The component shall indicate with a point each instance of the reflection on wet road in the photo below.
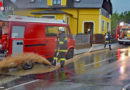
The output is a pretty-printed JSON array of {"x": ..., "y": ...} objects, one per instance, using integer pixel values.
[
  {"x": 94, "y": 60},
  {"x": 100, "y": 70}
]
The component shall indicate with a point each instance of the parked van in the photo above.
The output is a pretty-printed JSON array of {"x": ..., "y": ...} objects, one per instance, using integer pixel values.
[{"x": 19, "y": 34}]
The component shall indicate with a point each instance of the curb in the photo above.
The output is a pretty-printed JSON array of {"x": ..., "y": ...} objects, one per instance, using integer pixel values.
[{"x": 93, "y": 50}]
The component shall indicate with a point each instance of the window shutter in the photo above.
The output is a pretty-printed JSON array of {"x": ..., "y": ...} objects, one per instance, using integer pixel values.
[
  {"x": 63, "y": 2},
  {"x": 49, "y": 2}
]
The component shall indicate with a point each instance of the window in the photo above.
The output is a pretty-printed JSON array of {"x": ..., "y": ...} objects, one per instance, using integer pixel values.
[
  {"x": 51, "y": 31},
  {"x": 77, "y": 0},
  {"x": 107, "y": 26},
  {"x": 32, "y": 1},
  {"x": 67, "y": 20},
  {"x": 18, "y": 31},
  {"x": 67, "y": 32},
  {"x": 50, "y": 17},
  {"x": 56, "y": 2},
  {"x": 103, "y": 25},
  {"x": 105, "y": 13}
]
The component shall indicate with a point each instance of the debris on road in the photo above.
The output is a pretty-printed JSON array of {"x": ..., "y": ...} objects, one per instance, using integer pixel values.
[{"x": 21, "y": 60}]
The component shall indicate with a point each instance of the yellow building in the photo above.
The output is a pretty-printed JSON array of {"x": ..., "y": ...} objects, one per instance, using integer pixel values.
[{"x": 83, "y": 16}]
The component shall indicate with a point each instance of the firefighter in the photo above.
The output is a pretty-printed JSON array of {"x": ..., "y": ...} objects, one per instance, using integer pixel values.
[
  {"x": 107, "y": 40},
  {"x": 61, "y": 47},
  {"x": 5, "y": 29}
]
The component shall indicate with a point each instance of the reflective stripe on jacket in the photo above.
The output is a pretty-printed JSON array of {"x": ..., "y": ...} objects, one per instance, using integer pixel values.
[
  {"x": 62, "y": 42},
  {"x": 107, "y": 37}
]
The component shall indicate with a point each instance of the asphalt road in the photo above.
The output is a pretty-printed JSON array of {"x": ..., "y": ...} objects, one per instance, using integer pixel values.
[{"x": 99, "y": 70}]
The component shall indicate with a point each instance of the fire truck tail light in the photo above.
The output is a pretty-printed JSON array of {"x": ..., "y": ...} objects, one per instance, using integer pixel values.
[{"x": 117, "y": 36}]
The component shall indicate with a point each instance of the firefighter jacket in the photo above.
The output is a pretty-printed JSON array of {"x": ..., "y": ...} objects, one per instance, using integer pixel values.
[
  {"x": 107, "y": 36},
  {"x": 62, "y": 42}
]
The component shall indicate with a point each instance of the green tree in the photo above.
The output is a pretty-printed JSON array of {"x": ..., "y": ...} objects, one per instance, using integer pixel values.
[
  {"x": 127, "y": 17},
  {"x": 114, "y": 20},
  {"x": 117, "y": 18}
]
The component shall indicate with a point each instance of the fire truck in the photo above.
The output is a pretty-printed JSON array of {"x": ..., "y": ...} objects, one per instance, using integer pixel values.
[
  {"x": 20, "y": 34},
  {"x": 123, "y": 33}
]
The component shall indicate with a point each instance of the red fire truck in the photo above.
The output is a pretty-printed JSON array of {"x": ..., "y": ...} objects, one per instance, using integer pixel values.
[
  {"x": 19, "y": 34},
  {"x": 123, "y": 33}
]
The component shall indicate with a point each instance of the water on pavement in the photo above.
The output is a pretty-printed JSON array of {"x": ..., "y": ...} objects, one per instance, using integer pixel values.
[{"x": 92, "y": 71}]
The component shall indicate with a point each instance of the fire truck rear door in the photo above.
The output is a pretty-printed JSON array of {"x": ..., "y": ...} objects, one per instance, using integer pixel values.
[{"x": 17, "y": 38}]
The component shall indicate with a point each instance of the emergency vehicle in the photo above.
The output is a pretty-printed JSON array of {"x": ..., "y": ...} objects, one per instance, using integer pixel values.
[
  {"x": 123, "y": 33},
  {"x": 20, "y": 34}
]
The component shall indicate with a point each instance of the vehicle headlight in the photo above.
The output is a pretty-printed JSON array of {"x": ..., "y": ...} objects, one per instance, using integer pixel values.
[{"x": 128, "y": 31}]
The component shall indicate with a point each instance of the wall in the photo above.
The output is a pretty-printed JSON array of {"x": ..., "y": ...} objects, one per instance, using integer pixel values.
[
  {"x": 89, "y": 15},
  {"x": 85, "y": 15},
  {"x": 106, "y": 20}
]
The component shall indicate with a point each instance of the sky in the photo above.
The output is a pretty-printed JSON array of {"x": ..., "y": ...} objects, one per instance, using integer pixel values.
[{"x": 121, "y": 5}]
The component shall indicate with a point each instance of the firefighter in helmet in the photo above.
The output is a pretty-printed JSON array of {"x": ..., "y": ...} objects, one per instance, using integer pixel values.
[
  {"x": 107, "y": 39},
  {"x": 61, "y": 48}
]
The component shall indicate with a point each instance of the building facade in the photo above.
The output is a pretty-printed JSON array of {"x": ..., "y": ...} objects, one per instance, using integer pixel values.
[
  {"x": 83, "y": 16},
  {"x": 8, "y": 7}
]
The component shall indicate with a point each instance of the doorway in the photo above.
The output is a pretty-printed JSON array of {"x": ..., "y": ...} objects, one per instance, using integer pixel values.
[{"x": 89, "y": 29}]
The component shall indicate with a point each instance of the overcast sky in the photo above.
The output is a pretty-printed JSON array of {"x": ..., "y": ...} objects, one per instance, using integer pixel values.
[{"x": 121, "y": 5}]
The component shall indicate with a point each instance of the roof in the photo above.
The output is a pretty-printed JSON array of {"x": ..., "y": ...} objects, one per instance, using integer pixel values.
[
  {"x": 50, "y": 12},
  {"x": 74, "y": 4},
  {"x": 26, "y": 4},
  {"x": 30, "y": 19},
  {"x": 88, "y": 4}
]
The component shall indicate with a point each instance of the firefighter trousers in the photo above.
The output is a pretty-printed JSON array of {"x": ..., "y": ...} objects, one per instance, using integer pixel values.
[
  {"x": 59, "y": 55},
  {"x": 107, "y": 42}
]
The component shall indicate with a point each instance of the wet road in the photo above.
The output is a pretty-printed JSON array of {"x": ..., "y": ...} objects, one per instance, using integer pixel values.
[{"x": 100, "y": 70}]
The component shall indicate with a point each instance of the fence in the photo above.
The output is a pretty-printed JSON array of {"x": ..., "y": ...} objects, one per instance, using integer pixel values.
[
  {"x": 82, "y": 41},
  {"x": 98, "y": 39}
]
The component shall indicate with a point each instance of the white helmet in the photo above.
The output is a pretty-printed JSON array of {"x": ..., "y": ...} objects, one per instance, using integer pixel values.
[{"x": 61, "y": 29}]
